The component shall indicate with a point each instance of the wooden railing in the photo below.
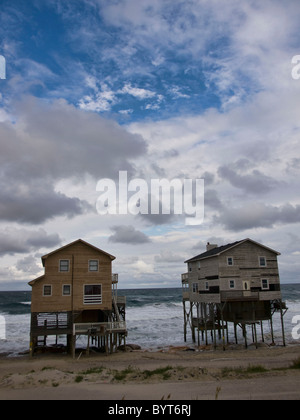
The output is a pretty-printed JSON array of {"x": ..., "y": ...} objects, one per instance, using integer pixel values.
[
  {"x": 115, "y": 278},
  {"x": 121, "y": 300},
  {"x": 185, "y": 277},
  {"x": 98, "y": 327},
  {"x": 51, "y": 323},
  {"x": 185, "y": 295},
  {"x": 239, "y": 295}
]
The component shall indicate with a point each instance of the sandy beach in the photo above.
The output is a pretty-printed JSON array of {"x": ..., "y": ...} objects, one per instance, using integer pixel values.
[{"x": 175, "y": 373}]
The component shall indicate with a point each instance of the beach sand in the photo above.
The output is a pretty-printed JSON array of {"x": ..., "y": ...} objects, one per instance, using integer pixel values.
[{"x": 175, "y": 373}]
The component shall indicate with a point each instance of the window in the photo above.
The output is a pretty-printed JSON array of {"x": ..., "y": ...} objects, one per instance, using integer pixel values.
[
  {"x": 199, "y": 265},
  {"x": 229, "y": 260},
  {"x": 195, "y": 287},
  {"x": 262, "y": 262},
  {"x": 190, "y": 267},
  {"x": 64, "y": 266},
  {"x": 47, "y": 290},
  {"x": 92, "y": 294},
  {"x": 93, "y": 265},
  {"x": 231, "y": 284},
  {"x": 206, "y": 285},
  {"x": 66, "y": 290},
  {"x": 265, "y": 284}
]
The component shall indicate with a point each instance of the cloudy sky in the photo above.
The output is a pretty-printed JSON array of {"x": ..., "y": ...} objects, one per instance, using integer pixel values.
[{"x": 162, "y": 89}]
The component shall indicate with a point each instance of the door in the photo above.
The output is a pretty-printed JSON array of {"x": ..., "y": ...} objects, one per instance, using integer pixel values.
[{"x": 246, "y": 288}]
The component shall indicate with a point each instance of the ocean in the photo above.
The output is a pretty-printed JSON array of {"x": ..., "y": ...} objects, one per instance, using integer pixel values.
[{"x": 154, "y": 318}]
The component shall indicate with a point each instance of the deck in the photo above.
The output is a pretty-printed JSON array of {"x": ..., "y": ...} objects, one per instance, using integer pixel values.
[{"x": 99, "y": 328}]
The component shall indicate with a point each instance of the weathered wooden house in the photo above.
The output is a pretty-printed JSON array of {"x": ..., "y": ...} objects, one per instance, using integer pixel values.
[
  {"x": 77, "y": 295},
  {"x": 236, "y": 283}
]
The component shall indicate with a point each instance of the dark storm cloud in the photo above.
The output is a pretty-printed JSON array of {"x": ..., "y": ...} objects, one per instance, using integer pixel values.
[
  {"x": 256, "y": 215},
  {"x": 128, "y": 235},
  {"x": 36, "y": 203},
  {"x": 21, "y": 241},
  {"x": 62, "y": 141},
  {"x": 50, "y": 142},
  {"x": 255, "y": 182}
]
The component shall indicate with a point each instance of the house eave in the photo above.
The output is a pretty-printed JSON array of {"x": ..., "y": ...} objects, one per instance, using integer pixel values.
[
  {"x": 199, "y": 258},
  {"x": 32, "y": 282},
  {"x": 44, "y": 257}
]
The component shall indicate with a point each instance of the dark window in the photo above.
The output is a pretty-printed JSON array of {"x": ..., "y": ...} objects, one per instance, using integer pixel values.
[
  {"x": 47, "y": 290},
  {"x": 92, "y": 294},
  {"x": 262, "y": 261},
  {"x": 66, "y": 290},
  {"x": 64, "y": 265},
  {"x": 93, "y": 265}
]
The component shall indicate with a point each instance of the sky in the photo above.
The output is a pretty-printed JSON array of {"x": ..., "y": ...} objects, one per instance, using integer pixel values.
[{"x": 160, "y": 89}]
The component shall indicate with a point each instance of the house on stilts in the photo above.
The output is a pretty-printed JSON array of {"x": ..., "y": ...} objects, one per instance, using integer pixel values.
[
  {"x": 76, "y": 296},
  {"x": 235, "y": 284}
]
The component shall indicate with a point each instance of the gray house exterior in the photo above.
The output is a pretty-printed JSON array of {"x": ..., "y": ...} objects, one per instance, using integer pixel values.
[{"x": 236, "y": 283}]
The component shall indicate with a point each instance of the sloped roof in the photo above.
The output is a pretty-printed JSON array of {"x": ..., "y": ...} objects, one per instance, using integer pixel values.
[
  {"x": 220, "y": 249},
  {"x": 44, "y": 257},
  {"x": 31, "y": 283}
]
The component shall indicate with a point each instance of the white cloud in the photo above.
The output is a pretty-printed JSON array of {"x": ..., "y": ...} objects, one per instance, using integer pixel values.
[
  {"x": 157, "y": 61},
  {"x": 176, "y": 92},
  {"x": 102, "y": 99},
  {"x": 138, "y": 92},
  {"x": 126, "y": 111},
  {"x": 167, "y": 257},
  {"x": 141, "y": 267}
]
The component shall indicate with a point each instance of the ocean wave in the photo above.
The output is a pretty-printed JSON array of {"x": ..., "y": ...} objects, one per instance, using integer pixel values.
[
  {"x": 17, "y": 308},
  {"x": 154, "y": 318}
]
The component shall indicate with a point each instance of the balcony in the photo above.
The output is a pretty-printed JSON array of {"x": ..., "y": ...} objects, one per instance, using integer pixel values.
[
  {"x": 114, "y": 278},
  {"x": 99, "y": 328},
  {"x": 121, "y": 300},
  {"x": 244, "y": 295},
  {"x": 185, "y": 278},
  {"x": 239, "y": 295}
]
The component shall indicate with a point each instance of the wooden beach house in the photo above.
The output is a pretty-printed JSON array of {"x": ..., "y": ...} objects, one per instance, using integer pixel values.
[
  {"x": 237, "y": 283},
  {"x": 77, "y": 295}
]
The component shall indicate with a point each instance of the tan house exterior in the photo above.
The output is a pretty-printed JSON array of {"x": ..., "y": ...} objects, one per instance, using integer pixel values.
[{"x": 78, "y": 287}]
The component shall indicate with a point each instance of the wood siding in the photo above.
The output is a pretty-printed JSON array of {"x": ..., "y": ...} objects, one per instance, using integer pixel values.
[
  {"x": 246, "y": 267},
  {"x": 237, "y": 283},
  {"x": 215, "y": 275},
  {"x": 77, "y": 277}
]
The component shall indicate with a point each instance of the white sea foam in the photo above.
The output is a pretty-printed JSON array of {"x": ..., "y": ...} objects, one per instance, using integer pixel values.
[
  {"x": 2, "y": 328},
  {"x": 17, "y": 334},
  {"x": 151, "y": 325}
]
